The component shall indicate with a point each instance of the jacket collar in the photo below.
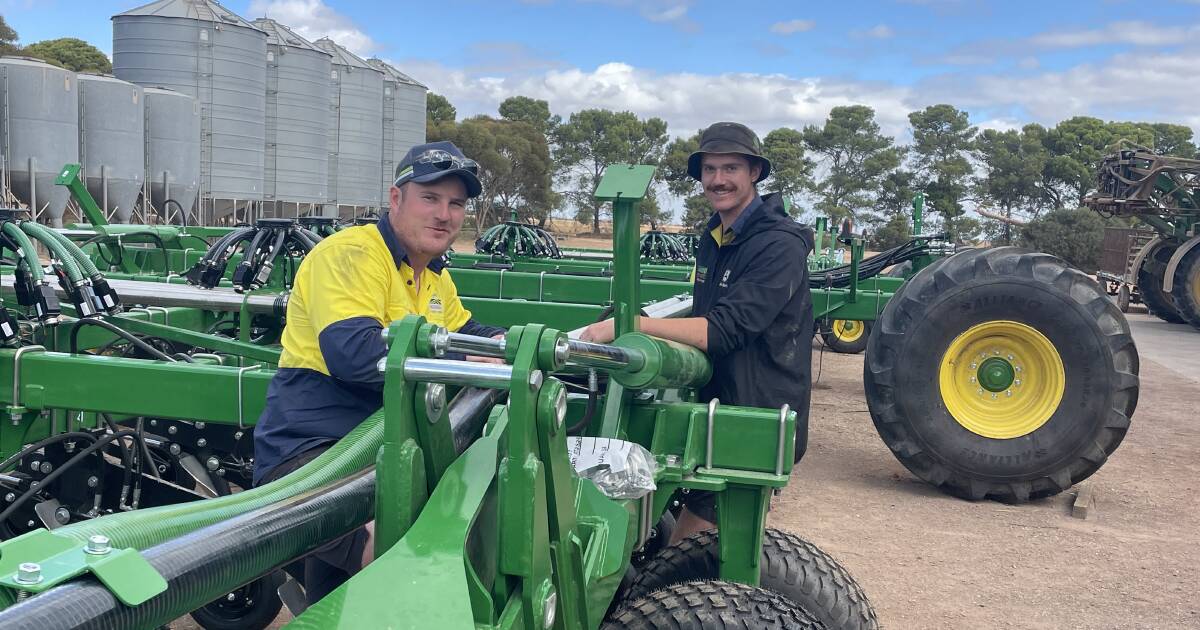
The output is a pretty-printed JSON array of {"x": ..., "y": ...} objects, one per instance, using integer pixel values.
[
  {"x": 744, "y": 219},
  {"x": 399, "y": 254}
]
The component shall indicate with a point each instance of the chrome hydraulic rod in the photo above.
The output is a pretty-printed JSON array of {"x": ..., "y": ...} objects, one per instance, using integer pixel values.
[
  {"x": 604, "y": 357},
  {"x": 465, "y": 373}
]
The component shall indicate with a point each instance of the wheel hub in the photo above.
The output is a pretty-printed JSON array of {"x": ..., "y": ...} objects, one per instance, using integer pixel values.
[{"x": 1001, "y": 379}]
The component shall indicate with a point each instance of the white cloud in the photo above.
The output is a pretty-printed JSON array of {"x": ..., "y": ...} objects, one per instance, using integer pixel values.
[
  {"x": 687, "y": 101},
  {"x": 673, "y": 12},
  {"x": 313, "y": 19},
  {"x": 792, "y": 27},
  {"x": 879, "y": 31},
  {"x": 1129, "y": 32}
]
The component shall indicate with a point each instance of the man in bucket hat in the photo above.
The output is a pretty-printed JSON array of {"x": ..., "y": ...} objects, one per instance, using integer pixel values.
[
  {"x": 347, "y": 289},
  {"x": 752, "y": 312}
]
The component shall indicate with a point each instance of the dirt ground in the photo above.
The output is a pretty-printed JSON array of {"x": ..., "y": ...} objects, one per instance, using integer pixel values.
[{"x": 931, "y": 561}]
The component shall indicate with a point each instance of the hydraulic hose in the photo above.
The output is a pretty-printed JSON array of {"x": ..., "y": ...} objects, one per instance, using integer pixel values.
[
  {"x": 85, "y": 263},
  {"x": 208, "y": 562},
  {"x": 63, "y": 254},
  {"x": 27, "y": 250}
]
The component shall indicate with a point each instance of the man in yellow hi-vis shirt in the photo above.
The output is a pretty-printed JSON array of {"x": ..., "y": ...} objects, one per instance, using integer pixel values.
[{"x": 347, "y": 290}]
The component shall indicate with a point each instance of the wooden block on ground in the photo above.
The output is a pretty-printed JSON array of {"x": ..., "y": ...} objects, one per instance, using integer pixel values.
[{"x": 1084, "y": 501}]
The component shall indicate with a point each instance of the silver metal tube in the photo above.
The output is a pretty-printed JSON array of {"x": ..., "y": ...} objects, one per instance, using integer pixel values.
[
  {"x": 464, "y": 373},
  {"x": 604, "y": 356},
  {"x": 477, "y": 346},
  {"x": 162, "y": 294}
]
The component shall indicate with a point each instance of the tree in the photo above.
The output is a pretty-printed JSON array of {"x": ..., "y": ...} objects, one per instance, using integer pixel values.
[
  {"x": 896, "y": 192},
  {"x": 696, "y": 212},
  {"x": 650, "y": 212},
  {"x": 858, "y": 157},
  {"x": 593, "y": 139},
  {"x": 673, "y": 167},
  {"x": 791, "y": 171},
  {"x": 1013, "y": 163},
  {"x": 535, "y": 112},
  {"x": 1075, "y": 235},
  {"x": 1077, "y": 145},
  {"x": 942, "y": 138},
  {"x": 438, "y": 110},
  {"x": 8, "y": 38},
  {"x": 895, "y": 232},
  {"x": 1172, "y": 139},
  {"x": 73, "y": 54},
  {"x": 514, "y": 168}
]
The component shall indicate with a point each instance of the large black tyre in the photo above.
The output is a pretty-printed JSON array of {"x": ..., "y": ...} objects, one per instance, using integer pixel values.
[
  {"x": 1185, "y": 289},
  {"x": 1150, "y": 280},
  {"x": 711, "y": 605},
  {"x": 1056, "y": 431},
  {"x": 253, "y": 607},
  {"x": 790, "y": 566}
]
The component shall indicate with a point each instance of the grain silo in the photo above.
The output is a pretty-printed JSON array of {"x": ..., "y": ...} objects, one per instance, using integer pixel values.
[
  {"x": 112, "y": 143},
  {"x": 403, "y": 117},
  {"x": 296, "y": 173},
  {"x": 39, "y": 133},
  {"x": 172, "y": 154},
  {"x": 202, "y": 49},
  {"x": 355, "y": 123}
]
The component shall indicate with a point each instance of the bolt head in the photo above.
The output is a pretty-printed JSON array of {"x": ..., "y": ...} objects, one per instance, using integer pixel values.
[
  {"x": 98, "y": 545},
  {"x": 535, "y": 380},
  {"x": 1017, "y": 382},
  {"x": 201, "y": 442},
  {"x": 212, "y": 463},
  {"x": 237, "y": 436},
  {"x": 973, "y": 379},
  {"x": 232, "y": 597},
  {"x": 560, "y": 407},
  {"x": 93, "y": 481},
  {"x": 549, "y": 609},
  {"x": 980, "y": 392},
  {"x": 1010, "y": 357},
  {"x": 29, "y": 573},
  {"x": 200, "y": 425},
  {"x": 62, "y": 515},
  {"x": 172, "y": 430},
  {"x": 1008, "y": 393},
  {"x": 10, "y": 497},
  {"x": 435, "y": 401},
  {"x": 993, "y": 397},
  {"x": 46, "y": 467},
  {"x": 562, "y": 351},
  {"x": 175, "y": 449},
  {"x": 672, "y": 460},
  {"x": 974, "y": 366}
]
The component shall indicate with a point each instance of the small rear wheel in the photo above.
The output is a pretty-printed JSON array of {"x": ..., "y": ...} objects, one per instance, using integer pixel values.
[
  {"x": 251, "y": 607},
  {"x": 1123, "y": 298},
  {"x": 1150, "y": 282},
  {"x": 846, "y": 336},
  {"x": 1186, "y": 287},
  {"x": 711, "y": 605}
]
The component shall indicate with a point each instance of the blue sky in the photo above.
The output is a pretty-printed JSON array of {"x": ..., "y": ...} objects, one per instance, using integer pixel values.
[{"x": 767, "y": 63}]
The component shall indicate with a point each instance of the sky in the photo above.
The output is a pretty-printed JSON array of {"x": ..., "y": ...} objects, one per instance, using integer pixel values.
[{"x": 767, "y": 64}]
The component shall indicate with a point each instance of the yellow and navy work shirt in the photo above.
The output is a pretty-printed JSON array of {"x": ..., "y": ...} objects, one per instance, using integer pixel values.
[{"x": 351, "y": 286}]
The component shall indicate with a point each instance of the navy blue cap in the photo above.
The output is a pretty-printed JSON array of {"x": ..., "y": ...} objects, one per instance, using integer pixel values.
[{"x": 432, "y": 161}]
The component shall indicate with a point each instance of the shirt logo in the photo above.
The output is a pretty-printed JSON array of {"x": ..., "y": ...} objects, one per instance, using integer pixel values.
[
  {"x": 701, "y": 272},
  {"x": 435, "y": 304},
  {"x": 725, "y": 278}
]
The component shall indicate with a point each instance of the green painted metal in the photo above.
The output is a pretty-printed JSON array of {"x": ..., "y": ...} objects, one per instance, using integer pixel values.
[
  {"x": 69, "y": 177},
  {"x": 918, "y": 206},
  {"x": 667, "y": 364},
  {"x": 995, "y": 374},
  {"x": 61, "y": 558},
  {"x": 624, "y": 185}
]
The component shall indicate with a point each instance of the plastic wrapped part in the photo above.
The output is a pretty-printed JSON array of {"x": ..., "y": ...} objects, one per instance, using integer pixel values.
[{"x": 620, "y": 469}]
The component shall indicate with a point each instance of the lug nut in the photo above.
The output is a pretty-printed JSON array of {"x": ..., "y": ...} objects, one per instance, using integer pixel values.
[
  {"x": 10, "y": 497},
  {"x": 172, "y": 430},
  {"x": 93, "y": 481},
  {"x": 212, "y": 464},
  {"x": 98, "y": 545},
  {"x": 200, "y": 425},
  {"x": 175, "y": 449},
  {"x": 201, "y": 443},
  {"x": 46, "y": 467},
  {"x": 62, "y": 515}
]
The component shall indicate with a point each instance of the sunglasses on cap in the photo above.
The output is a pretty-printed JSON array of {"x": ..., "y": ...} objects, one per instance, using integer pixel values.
[{"x": 436, "y": 160}]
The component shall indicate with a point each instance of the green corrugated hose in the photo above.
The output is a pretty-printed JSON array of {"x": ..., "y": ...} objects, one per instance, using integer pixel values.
[
  {"x": 28, "y": 251},
  {"x": 63, "y": 254},
  {"x": 85, "y": 263}
]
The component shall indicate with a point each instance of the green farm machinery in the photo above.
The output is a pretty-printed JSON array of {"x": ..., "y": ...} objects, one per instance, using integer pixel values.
[
  {"x": 1163, "y": 193},
  {"x": 125, "y": 460},
  {"x": 127, "y": 453}
]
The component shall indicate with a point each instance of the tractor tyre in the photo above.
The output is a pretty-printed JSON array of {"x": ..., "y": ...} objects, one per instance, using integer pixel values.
[
  {"x": 789, "y": 566},
  {"x": 1186, "y": 288},
  {"x": 846, "y": 336},
  {"x": 711, "y": 605},
  {"x": 251, "y": 607},
  {"x": 1150, "y": 283},
  {"x": 1001, "y": 373},
  {"x": 1123, "y": 298}
]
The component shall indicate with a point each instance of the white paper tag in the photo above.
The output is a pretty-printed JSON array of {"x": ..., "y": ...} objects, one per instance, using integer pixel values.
[{"x": 587, "y": 453}]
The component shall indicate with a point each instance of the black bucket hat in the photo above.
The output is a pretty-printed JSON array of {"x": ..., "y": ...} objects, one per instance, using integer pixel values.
[
  {"x": 729, "y": 137},
  {"x": 429, "y": 162}
]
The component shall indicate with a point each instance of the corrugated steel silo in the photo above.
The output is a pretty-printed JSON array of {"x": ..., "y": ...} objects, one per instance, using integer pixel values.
[
  {"x": 356, "y": 119},
  {"x": 403, "y": 117},
  {"x": 112, "y": 143},
  {"x": 39, "y": 133},
  {"x": 297, "y": 135},
  {"x": 172, "y": 150},
  {"x": 206, "y": 51}
]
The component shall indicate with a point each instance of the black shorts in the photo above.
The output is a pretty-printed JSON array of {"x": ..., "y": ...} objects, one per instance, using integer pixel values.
[{"x": 329, "y": 566}]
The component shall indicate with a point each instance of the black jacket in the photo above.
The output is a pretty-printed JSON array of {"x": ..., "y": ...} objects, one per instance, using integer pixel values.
[{"x": 754, "y": 293}]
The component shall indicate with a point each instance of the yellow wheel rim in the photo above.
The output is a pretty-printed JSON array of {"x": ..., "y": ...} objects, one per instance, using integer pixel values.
[
  {"x": 848, "y": 330},
  {"x": 1001, "y": 379}
]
